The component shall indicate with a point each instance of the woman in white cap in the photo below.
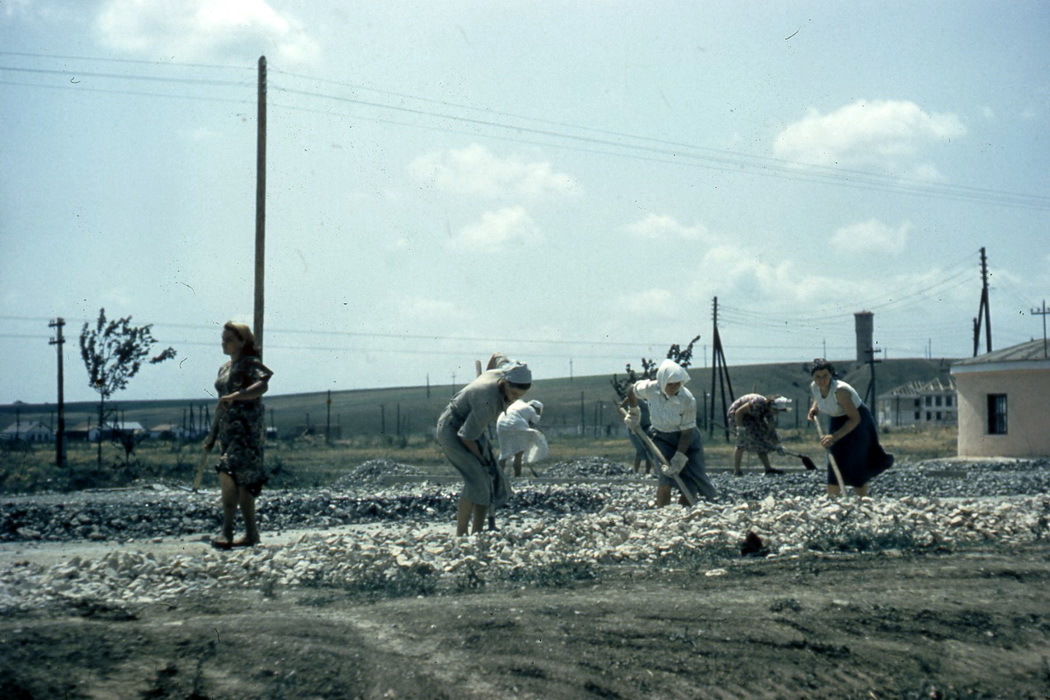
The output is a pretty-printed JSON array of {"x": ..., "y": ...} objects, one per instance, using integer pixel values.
[
  {"x": 754, "y": 418},
  {"x": 672, "y": 410},
  {"x": 462, "y": 434},
  {"x": 518, "y": 436}
]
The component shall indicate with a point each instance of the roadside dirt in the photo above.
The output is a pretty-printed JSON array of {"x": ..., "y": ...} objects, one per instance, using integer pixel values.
[{"x": 972, "y": 624}]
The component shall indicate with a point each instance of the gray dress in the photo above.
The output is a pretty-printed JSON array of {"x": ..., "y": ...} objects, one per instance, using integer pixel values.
[{"x": 467, "y": 417}]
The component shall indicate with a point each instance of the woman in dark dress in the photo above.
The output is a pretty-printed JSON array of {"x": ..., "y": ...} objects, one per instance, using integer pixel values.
[
  {"x": 851, "y": 437},
  {"x": 239, "y": 430}
]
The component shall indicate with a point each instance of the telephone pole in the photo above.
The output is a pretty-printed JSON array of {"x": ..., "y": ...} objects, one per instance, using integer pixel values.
[
  {"x": 260, "y": 208},
  {"x": 984, "y": 308},
  {"x": 1042, "y": 312},
  {"x": 60, "y": 435}
]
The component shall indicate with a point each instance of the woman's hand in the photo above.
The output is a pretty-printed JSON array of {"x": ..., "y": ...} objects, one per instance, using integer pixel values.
[
  {"x": 827, "y": 441},
  {"x": 231, "y": 397}
]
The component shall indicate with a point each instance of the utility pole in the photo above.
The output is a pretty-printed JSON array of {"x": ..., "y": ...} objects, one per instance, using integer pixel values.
[
  {"x": 871, "y": 392},
  {"x": 983, "y": 309},
  {"x": 1035, "y": 312},
  {"x": 260, "y": 207},
  {"x": 719, "y": 371},
  {"x": 328, "y": 420},
  {"x": 60, "y": 436}
]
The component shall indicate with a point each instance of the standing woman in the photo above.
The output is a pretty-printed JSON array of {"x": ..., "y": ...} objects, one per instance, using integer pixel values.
[
  {"x": 672, "y": 409},
  {"x": 462, "y": 434},
  {"x": 851, "y": 437},
  {"x": 239, "y": 430}
]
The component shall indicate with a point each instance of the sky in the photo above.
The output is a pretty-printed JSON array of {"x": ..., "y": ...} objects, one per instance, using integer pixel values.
[{"x": 572, "y": 184}]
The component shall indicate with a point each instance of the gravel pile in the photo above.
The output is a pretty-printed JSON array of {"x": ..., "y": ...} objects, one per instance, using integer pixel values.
[
  {"x": 413, "y": 559},
  {"x": 402, "y": 543},
  {"x": 371, "y": 473},
  {"x": 587, "y": 467}
]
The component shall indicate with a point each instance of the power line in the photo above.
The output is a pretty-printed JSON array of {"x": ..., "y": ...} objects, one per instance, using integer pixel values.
[{"x": 720, "y": 161}]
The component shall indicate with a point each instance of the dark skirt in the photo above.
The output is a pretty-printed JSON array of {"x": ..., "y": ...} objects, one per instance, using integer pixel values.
[
  {"x": 859, "y": 455},
  {"x": 693, "y": 474}
]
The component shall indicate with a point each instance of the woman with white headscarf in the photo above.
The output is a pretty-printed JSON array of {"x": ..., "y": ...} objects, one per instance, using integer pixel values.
[
  {"x": 672, "y": 410},
  {"x": 462, "y": 434},
  {"x": 518, "y": 437}
]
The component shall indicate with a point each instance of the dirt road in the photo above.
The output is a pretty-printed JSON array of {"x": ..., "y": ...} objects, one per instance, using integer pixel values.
[{"x": 886, "y": 625}]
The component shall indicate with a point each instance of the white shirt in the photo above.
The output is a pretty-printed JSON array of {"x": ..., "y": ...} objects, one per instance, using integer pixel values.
[
  {"x": 667, "y": 413},
  {"x": 830, "y": 404}
]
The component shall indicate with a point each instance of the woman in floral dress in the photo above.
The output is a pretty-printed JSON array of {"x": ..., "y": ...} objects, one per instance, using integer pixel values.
[{"x": 239, "y": 431}]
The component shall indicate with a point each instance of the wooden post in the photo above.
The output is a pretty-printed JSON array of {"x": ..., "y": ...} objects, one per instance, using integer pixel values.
[
  {"x": 60, "y": 435},
  {"x": 260, "y": 207}
]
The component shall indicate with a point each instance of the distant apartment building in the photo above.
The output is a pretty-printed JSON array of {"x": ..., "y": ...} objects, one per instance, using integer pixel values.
[{"x": 919, "y": 404}]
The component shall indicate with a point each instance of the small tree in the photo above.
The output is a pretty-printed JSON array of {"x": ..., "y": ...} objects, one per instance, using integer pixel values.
[
  {"x": 113, "y": 352},
  {"x": 683, "y": 356}
]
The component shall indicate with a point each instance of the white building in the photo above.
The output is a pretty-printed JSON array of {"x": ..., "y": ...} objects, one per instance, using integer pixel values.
[
  {"x": 1004, "y": 400},
  {"x": 31, "y": 431},
  {"x": 920, "y": 403}
]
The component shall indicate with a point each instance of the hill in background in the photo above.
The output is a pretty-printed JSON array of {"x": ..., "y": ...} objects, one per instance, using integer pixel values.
[{"x": 568, "y": 403}]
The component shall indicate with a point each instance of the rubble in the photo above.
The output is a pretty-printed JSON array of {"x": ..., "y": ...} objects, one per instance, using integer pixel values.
[{"x": 398, "y": 541}]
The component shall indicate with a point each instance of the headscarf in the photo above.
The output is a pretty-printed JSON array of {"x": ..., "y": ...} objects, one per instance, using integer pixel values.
[
  {"x": 670, "y": 371},
  {"x": 518, "y": 373}
]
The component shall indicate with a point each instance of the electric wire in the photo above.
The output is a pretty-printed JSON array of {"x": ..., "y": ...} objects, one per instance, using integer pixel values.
[{"x": 718, "y": 160}]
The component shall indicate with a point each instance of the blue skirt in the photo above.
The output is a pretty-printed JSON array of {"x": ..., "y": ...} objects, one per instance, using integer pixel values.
[
  {"x": 859, "y": 455},
  {"x": 693, "y": 474}
]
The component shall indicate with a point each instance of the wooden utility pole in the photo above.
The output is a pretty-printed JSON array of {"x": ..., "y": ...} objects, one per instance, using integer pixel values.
[
  {"x": 328, "y": 420},
  {"x": 1035, "y": 312},
  {"x": 719, "y": 372},
  {"x": 260, "y": 208},
  {"x": 60, "y": 436},
  {"x": 983, "y": 309}
]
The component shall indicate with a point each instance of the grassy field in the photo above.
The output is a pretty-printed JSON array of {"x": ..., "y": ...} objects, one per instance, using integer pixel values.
[
  {"x": 310, "y": 462},
  {"x": 571, "y": 404}
]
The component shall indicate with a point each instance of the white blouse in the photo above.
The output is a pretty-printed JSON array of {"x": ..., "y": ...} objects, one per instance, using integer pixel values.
[{"x": 830, "y": 404}]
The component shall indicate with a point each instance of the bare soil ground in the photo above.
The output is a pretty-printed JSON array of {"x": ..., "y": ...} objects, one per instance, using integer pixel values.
[{"x": 969, "y": 624}]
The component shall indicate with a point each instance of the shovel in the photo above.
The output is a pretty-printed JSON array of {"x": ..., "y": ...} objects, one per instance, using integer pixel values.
[
  {"x": 831, "y": 458},
  {"x": 806, "y": 461},
  {"x": 665, "y": 467},
  {"x": 207, "y": 450}
]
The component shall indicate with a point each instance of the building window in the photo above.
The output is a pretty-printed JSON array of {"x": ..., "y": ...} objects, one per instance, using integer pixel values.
[
  {"x": 997, "y": 414},
  {"x": 938, "y": 400},
  {"x": 918, "y": 415},
  {"x": 948, "y": 401},
  {"x": 929, "y": 400}
]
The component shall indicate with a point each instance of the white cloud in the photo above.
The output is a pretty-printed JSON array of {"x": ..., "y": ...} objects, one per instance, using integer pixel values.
[
  {"x": 987, "y": 112},
  {"x": 497, "y": 230},
  {"x": 475, "y": 170},
  {"x": 419, "y": 309},
  {"x": 660, "y": 227},
  {"x": 204, "y": 29},
  {"x": 880, "y": 132},
  {"x": 650, "y": 303},
  {"x": 872, "y": 236}
]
